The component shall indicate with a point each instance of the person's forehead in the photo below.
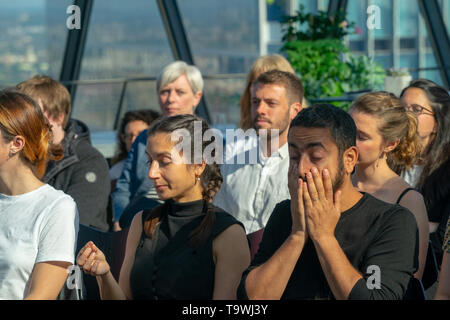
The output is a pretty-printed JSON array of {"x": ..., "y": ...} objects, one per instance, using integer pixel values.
[
  {"x": 270, "y": 88},
  {"x": 415, "y": 96},
  {"x": 301, "y": 137},
  {"x": 159, "y": 142},
  {"x": 180, "y": 82},
  {"x": 135, "y": 124}
]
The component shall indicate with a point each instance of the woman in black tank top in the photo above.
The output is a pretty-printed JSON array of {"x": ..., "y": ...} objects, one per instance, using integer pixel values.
[
  {"x": 185, "y": 248},
  {"x": 387, "y": 136}
]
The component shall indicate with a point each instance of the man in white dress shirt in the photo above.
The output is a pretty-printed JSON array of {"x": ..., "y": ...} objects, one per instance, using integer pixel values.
[{"x": 255, "y": 170}]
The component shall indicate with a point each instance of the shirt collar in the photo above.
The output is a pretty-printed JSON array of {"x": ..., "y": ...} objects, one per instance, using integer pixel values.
[{"x": 282, "y": 152}]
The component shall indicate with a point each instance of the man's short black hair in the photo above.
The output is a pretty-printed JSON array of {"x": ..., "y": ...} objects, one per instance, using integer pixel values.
[{"x": 324, "y": 115}]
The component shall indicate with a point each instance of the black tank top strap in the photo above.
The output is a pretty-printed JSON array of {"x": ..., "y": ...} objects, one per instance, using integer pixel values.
[
  {"x": 403, "y": 193},
  {"x": 223, "y": 221}
]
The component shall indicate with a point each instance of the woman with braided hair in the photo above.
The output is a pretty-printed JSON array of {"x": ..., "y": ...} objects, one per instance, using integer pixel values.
[
  {"x": 185, "y": 248},
  {"x": 386, "y": 137},
  {"x": 38, "y": 224}
]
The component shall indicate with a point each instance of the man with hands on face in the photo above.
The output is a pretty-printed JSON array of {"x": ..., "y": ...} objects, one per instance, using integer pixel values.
[{"x": 326, "y": 240}]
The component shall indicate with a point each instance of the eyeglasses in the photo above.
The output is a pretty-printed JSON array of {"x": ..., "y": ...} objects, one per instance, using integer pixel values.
[{"x": 418, "y": 110}]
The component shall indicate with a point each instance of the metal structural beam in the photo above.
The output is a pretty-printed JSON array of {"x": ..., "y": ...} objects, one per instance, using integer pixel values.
[
  {"x": 439, "y": 38},
  {"x": 179, "y": 43},
  {"x": 336, "y": 5},
  {"x": 75, "y": 43}
]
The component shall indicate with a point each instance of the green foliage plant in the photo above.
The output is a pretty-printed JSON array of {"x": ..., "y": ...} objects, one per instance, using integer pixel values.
[{"x": 314, "y": 46}]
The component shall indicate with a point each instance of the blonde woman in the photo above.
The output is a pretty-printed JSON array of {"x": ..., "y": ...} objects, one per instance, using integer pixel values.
[{"x": 387, "y": 133}]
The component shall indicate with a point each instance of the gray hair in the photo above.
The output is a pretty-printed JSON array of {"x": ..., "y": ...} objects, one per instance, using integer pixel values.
[{"x": 174, "y": 70}]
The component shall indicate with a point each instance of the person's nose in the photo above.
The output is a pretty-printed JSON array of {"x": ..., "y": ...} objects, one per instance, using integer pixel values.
[
  {"x": 261, "y": 108},
  {"x": 153, "y": 170},
  {"x": 304, "y": 166},
  {"x": 133, "y": 137},
  {"x": 172, "y": 96}
]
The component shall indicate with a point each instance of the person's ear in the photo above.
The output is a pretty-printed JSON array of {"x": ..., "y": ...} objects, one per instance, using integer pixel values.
[
  {"x": 295, "y": 109},
  {"x": 16, "y": 145},
  {"x": 197, "y": 97},
  {"x": 60, "y": 119},
  {"x": 199, "y": 168},
  {"x": 389, "y": 146},
  {"x": 350, "y": 158}
]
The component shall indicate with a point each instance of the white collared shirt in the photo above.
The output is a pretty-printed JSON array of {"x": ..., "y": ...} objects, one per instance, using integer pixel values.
[{"x": 250, "y": 192}]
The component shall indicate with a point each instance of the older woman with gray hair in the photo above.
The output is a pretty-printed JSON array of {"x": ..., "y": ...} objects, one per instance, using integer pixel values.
[{"x": 179, "y": 88}]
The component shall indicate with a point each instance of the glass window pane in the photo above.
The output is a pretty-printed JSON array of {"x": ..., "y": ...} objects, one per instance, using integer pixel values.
[
  {"x": 125, "y": 40},
  {"x": 275, "y": 11},
  {"x": 141, "y": 95},
  {"x": 409, "y": 60},
  {"x": 96, "y": 105},
  {"x": 323, "y": 4},
  {"x": 407, "y": 18},
  {"x": 433, "y": 75},
  {"x": 231, "y": 42},
  {"x": 386, "y": 18},
  {"x": 32, "y": 40},
  {"x": 356, "y": 12},
  {"x": 445, "y": 10},
  {"x": 310, "y": 5},
  {"x": 428, "y": 59},
  {"x": 384, "y": 59},
  {"x": 223, "y": 100}
]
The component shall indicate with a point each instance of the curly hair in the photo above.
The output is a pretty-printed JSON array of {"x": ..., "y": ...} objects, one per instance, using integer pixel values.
[{"x": 396, "y": 124}]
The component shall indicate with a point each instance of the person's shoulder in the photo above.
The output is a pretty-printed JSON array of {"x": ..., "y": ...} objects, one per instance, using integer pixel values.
[
  {"x": 142, "y": 136},
  {"x": 387, "y": 212},
  {"x": 84, "y": 149},
  {"x": 57, "y": 195},
  {"x": 116, "y": 170},
  {"x": 222, "y": 214},
  {"x": 412, "y": 199},
  {"x": 282, "y": 210},
  {"x": 283, "y": 205},
  {"x": 56, "y": 200},
  {"x": 223, "y": 219}
]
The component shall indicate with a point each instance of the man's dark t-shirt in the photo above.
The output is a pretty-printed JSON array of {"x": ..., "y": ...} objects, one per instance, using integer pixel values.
[{"x": 371, "y": 233}]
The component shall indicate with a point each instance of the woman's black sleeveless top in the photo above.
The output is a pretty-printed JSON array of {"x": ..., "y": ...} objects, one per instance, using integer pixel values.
[{"x": 166, "y": 266}]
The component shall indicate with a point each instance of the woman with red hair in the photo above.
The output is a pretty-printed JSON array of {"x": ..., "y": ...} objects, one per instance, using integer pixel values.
[{"x": 38, "y": 224}]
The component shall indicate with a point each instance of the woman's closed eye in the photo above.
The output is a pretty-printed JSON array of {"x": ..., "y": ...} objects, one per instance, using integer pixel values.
[{"x": 362, "y": 137}]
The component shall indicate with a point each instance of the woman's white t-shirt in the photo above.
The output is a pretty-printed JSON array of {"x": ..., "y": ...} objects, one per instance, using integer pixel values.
[{"x": 38, "y": 226}]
